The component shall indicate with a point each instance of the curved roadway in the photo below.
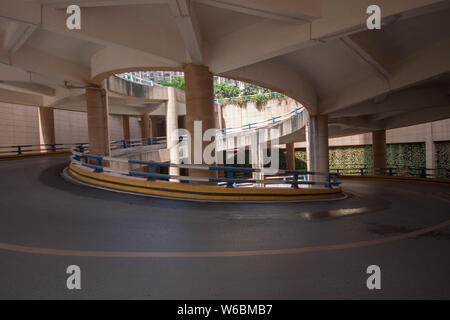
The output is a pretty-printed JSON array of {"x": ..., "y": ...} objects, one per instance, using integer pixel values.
[{"x": 135, "y": 247}]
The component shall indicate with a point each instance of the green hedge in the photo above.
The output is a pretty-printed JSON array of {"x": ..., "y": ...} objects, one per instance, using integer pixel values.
[
  {"x": 443, "y": 154},
  {"x": 398, "y": 155}
]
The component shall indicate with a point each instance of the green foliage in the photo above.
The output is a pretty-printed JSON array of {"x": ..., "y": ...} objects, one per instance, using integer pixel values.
[
  {"x": 229, "y": 94},
  {"x": 397, "y": 155},
  {"x": 176, "y": 83},
  {"x": 223, "y": 90},
  {"x": 406, "y": 155},
  {"x": 443, "y": 154},
  {"x": 350, "y": 157}
]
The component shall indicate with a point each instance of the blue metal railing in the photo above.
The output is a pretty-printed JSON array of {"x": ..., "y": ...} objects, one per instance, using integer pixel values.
[
  {"x": 54, "y": 147},
  {"x": 292, "y": 177}
]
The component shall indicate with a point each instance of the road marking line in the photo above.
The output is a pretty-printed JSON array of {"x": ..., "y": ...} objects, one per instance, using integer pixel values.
[{"x": 211, "y": 254}]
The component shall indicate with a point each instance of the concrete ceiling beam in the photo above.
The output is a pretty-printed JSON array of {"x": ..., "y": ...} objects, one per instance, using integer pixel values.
[{"x": 187, "y": 23}]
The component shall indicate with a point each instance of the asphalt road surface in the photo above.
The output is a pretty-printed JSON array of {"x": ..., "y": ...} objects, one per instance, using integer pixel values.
[{"x": 131, "y": 247}]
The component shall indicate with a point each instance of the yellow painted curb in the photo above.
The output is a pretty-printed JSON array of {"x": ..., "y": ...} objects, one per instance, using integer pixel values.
[
  {"x": 194, "y": 192},
  {"x": 33, "y": 155}
]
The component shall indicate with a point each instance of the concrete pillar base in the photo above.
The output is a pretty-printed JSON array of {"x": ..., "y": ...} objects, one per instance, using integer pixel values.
[
  {"x": 317, "y": 146},
  {"x": 199, "y": 107},
  {"x": 98, "y": 128},
  {"x": 126, "y": 127},
  {"x": 145, "y": 126},
  {"x": 46, "y": 128},
  {"x": 290, "y": 156}
]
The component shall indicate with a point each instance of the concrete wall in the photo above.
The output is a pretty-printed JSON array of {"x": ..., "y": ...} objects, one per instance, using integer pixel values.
[
  {"x": 440, "y": 131},
  {"x": 70, "y": 126},
  {"x": 239, "y": 115},
  {"x": 18, "y": 124},
  {"x": 135, "y": 128},
  {"x": 115, "y": 127}
]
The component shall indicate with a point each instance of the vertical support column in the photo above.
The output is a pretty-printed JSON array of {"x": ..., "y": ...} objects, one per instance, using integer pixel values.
[
  {"x": 430, "y": 150},
  {"x": 199, "y": 107},
  {"x": 98, "y": 127},
  {"x": 379, "y": 151},
  {"x": 317, "y": 146},
  {"x": 171, "y": 130},
  {"x": 290, "y": 156},
  {"x": 154, "y": 127},
  {"x": 126, "y": 127},
  {"x": 46, "y": 128},
  {"x": 145, "y": 126}
]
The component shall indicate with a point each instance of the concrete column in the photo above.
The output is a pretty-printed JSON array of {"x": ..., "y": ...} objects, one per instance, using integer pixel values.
[
  {"x": 126, "y": 127},
  {"x": 199, "y": 107},
  {"x": 379, "y": 150},
  {"x": 98, "y": 128},
  {"x": 171, "y": 130},
  {"x": 257, "y": 157},
  {"x": 154, "y": 126},
  {"x": 46, "y": 127},
  {"x": 145, "y": 126},
  {"x": 317, "y": 145},
  {"x": 290, "y": 156},
  {"x": 430, "y": 149}
]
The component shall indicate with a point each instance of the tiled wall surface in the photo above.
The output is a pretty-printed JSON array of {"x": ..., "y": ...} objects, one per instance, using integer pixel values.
[
  {"x": 135, "y": 128},
  {"x": 70, "y": 126},
  {"x": 18, "y": 124},
  {"x": 115, "y": 128}
]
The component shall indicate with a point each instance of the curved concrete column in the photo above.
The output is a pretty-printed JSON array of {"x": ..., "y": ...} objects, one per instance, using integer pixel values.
[
  {"x": 379, "y": 150},
  {"x": 145, "y": 126},
  {"x": 154, "y": 127},
  {"x": 98, "y": 128},
  {"x": 199, "y": 107},
  {"x": 126, "y": 127},
  {"x": 171, "y": 130},
  {"x": 290, "y": 156},
  {"x": 46, "y": 126},
  {"x": 317, "y": 145}
]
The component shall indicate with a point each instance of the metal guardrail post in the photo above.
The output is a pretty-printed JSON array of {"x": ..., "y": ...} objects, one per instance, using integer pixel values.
[
  {"x": 294, "y": 184},
  {"x": 362, "y": 171},
  {"x": 98, "y": 162},
  {"x": 151, "y": 169},
  {"x": 19, "y": 150},
  {"x": 390, "y": 171},
  {"x": 230, "y": 175},
  {"x": 423, "y": 173},
  {"x": 124, "y": 144}
]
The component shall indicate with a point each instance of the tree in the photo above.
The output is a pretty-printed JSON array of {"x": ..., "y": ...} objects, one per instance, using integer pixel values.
[
  {"x": 176, "y": 83},
  {"x": 223, "y": 90}
]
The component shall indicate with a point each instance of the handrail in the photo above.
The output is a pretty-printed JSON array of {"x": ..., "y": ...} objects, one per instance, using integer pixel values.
[
  {"x": 259, "y": 124},
  {"x": 293, "y": 178},
  {"x": 54, "y": 147}
]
